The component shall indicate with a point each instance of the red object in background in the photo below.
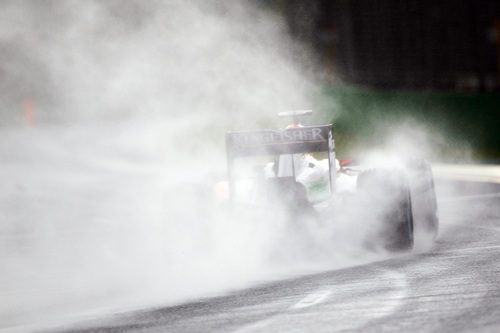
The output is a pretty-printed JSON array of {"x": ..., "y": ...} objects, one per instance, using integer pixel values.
[
  {"x": 29, "y": 112},
  {"x": 345, "y": 162}
]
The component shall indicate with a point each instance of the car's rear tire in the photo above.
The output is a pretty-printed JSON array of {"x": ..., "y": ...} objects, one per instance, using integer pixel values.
[
  {"x": 388, "y": 200},
  {"x": 423, "y": 194}
]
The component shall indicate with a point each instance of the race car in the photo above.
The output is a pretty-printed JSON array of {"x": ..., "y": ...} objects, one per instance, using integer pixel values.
[{"x": 296, "y": 170}]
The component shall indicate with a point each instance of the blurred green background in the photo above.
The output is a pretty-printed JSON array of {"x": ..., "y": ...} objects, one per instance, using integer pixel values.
[{"x": 460, "y": 126}]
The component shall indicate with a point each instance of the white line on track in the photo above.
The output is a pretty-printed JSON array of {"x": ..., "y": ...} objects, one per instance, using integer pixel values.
[
  {"x": 468, "y": 249},
  {"x": 312, "y": 299},
  {"x": 347, "y": 314},
  {"x": 468, "y": 178},
  {"x": 470, "y": 197},
  {"x": 475, "y": 173}
]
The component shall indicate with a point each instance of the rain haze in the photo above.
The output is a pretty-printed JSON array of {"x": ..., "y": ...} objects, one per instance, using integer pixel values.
[{"x": 113, "y": 117}]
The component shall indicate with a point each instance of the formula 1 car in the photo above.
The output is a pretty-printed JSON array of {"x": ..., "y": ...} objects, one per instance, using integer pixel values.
[{"x": 277, "y": 168}]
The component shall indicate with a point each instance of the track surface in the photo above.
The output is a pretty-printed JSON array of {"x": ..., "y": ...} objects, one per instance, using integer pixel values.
[{"x": 453, "y": 287}]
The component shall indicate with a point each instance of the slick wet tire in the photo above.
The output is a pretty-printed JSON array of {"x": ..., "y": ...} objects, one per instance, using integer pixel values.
[
  {"x": 425, "y": 210},
  {"x": 387, "y": 195}
]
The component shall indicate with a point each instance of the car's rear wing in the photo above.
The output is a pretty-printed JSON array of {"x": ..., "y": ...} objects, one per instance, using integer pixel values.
[{"x": 300, "y": 140}]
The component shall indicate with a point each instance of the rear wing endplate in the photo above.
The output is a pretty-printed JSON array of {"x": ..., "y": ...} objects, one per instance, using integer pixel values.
[{"x": 300, "y": 140}]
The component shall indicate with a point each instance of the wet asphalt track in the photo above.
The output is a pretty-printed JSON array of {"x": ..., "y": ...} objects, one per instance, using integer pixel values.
[{"x": 453, "y": 287}]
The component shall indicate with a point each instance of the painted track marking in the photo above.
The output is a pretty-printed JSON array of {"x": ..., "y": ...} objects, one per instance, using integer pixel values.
[
  {"x": 312, "y": 299},
  {"x": 392, "y": 287},
  {"x": 468, "y": 249},
  {"x": 470, "y": 197}
]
